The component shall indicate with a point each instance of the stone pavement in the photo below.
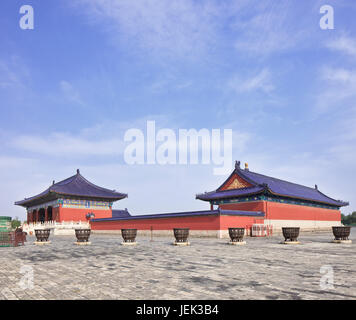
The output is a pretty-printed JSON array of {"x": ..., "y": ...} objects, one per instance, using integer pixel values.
[{"x": 208, "y": 269}]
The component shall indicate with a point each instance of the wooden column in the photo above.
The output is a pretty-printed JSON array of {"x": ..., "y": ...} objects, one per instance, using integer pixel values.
[{"x": 46, "y": 215}]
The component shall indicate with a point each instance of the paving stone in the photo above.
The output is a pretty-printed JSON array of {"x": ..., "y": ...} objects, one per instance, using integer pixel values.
[{"x": 208, "y": 269}]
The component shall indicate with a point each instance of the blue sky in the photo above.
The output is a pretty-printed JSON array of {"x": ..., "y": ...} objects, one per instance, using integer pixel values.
[{"x": 91, "y": 69}]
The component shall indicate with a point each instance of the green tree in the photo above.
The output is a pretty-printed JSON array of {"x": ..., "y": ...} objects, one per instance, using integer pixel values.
[
  {"x": 349, "y": 219},
  {"x": 15, "y": 223}
]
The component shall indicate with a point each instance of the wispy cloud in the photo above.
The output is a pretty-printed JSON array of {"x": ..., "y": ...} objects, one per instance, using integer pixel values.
[
  {"x": 177, "y": 27},
  {"x": 273, "y": 27},
  {"x": 338, "y": 89},
  {"x": 344, "y": 44},
  {"x": 13, "y": 73},
  {"x": 71, "y": 93},
  {"x": 261, "y": 81}
]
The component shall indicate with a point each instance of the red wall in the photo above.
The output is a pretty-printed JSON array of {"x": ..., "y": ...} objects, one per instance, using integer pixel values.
[
  {"x": 69, "y": 214},
  {"x": 286, "y": 211},
  {"x": 194, "y": 223},
  {"x": 238, "y": 222},
  {"x": 245, "y": 206},
  {"x": 283, "y": 211}
]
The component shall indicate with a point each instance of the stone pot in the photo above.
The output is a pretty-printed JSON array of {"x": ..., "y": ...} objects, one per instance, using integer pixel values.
[
  {"x": 236, "y": 234},
  {"x": 290, "y": 233},
  {"x": 82, "y": 235},
  {"x": 181, "y": 234},
  {"x": 129, "y": 235},
  {"x": 341, "y": 232},
  {"x": 42, "y": 235}
]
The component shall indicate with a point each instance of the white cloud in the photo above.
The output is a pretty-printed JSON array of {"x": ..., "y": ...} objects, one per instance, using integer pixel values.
[
  {"x": 70, "y": 92},
  {"x": 274, "y": 27},
  {"x": 343, "y": 44},
  {"x": 173, "y": 27},
  {"x": 338, "y": 89},
  {"x": 261, "y": 81},
  {"x": 13, "y": 73},
  {"x": 65, "y": 144}
]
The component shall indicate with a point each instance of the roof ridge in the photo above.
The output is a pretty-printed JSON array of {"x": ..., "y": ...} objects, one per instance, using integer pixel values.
[
  {"x": 94, "y": 185},
  {"x": 337, "y": 200},
  {"x": 297, "y": 184},
  {"x": 63, "y": 181}
]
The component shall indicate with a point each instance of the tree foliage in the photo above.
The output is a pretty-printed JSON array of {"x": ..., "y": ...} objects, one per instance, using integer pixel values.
[
  {"x": 349, "y": 219},
  {"x": 15, "y": 223}
]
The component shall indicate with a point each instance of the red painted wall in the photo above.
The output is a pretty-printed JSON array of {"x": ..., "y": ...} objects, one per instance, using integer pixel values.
[
  {"x": 238, "y": 222},
  {"x": 70, "y": 214},
  {"x": 285, "y": 211},
  {"x": 194, "y": 223},
  {"x": 245, "y": 206}
]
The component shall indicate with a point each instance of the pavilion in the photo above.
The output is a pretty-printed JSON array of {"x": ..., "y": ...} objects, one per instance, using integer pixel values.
[{"x": 73, "y": 199}]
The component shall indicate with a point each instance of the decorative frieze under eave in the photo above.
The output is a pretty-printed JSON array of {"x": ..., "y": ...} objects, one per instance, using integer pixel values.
[{"x": 73, "y": 204}]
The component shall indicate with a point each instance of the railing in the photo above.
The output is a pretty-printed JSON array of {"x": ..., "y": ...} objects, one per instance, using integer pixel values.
[{"x": 30, "y": 227}]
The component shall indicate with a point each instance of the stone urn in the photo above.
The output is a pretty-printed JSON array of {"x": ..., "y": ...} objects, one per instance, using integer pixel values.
[
  {"x": 290, "y": 234},
  {"x": 129, "y": 235},
  {"x": 341, "y": 233},
  {"x": 42, "y": 235},
  {"x": 236, "y": 234},
  {"x": 181, "y": 235},
  {"x": 82, "y": 235}
]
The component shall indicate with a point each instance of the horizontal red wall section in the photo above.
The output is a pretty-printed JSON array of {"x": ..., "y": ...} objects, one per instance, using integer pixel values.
[
  {"x": 284, "y": 211},
  {"x": 238, "y": 222},
  {"x": 245, "y": 206},
  {"x": 70, "y": 214},
  {"x": 194, "y": 223}
]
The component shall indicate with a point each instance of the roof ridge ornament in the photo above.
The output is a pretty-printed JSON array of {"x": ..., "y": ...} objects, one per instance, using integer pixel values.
[
  {"x": 265, "y": 185},
  {"x": 316, "y": 187},
  {"x": 237, "y": 164},
  {"x": 78, "y": 171}
]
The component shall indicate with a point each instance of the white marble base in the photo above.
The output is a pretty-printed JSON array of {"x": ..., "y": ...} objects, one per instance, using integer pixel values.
[
  {"x": 41, "y": 243},
  {"x": 128, "y": 243},
  {"x": 342, "y": 241},
  {"x": 290, "y": 242},
  {"x": 237, "y": 243},
  {"x": 181, "y": 243},
  {"x": 84, "y": 243}
]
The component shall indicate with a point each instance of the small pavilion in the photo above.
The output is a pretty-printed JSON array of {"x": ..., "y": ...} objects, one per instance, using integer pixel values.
[{"x": 72, "y": 199}]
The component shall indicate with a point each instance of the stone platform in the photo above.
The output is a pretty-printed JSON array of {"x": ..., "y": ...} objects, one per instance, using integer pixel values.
[{"x": 210, "y": 269}]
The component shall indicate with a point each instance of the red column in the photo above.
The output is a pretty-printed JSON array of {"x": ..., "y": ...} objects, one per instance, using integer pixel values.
[
  {"x": 211, "y": 206},
  {"x": 46, "y": 215},
  {"x": 59, "y": 213}
]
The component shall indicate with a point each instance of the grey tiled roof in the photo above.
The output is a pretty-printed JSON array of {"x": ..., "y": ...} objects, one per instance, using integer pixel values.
[
  {"x": 262, "y": 183},
  {"x": 78, "y": 186}
]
